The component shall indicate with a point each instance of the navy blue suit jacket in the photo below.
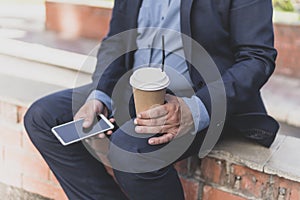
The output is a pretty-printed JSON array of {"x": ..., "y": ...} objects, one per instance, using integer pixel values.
[{"x": 237, "y": 34}]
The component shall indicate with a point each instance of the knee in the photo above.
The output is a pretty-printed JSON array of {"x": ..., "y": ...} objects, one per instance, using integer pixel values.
[
  {"x": 134, "y": 155},
  {"x": 36, "y": 114},
  {"x": 125, "y": 138},
  {"x": 37, "y": 119},
  {"x": 126, "y": 177}
]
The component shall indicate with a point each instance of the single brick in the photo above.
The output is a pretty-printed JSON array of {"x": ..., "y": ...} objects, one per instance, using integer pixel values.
[
  {"x": 190, "y": 187},
  {"x": 213, "y": 170},
  {"x": 1, "y": 155},
  {"x": 14, "y": 158},
  {"x": 8, "y": 112},
  {"x": 53, "y": 179},
  {"x": 249, "y": 181},
  {"x": 289, "y": 50},
  {"x": 20, "y": 113},
  {"x": 41, "y": 187},
  {"x": 21, "y": 161},
  {"x": 27, "y": 144},
  {"x": 181, "y": 167},
  {"x": 36, "y": 167},
  {"x": 60, "y": 195},
  {"x": 210, "y": 193},
  {"x": 9, "y": 176},
  {"x": 93, "y": 21},
  {"x": 10, "y": 136},
  {"x": 286, "y": 188}
]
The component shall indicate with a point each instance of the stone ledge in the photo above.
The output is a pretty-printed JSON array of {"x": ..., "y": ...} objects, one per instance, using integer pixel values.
[
  {"x": 244, "y": 152},
  {"x": 47, "y": 55},
  {"x": 285, "y": 161},
  {"x": 236, "y": 181},
  {"x": 281, "y": 95},
  {"x": 50, "y": 69},
  {"x": 273, "y": 160},
  {"x": 290, "y": 18},
  {"x": 20, "y": 91}
]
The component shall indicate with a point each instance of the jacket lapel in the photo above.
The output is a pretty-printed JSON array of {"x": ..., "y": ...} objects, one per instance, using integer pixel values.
[{"x": 134, "y": 7}]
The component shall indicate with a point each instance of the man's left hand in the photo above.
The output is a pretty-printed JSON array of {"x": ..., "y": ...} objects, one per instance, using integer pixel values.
[{"x": 172, "y": 119}]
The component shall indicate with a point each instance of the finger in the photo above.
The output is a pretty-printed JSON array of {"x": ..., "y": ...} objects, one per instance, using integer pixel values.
[
  {"x": 109, "y": 132},
  {"x": 77, "y": 117},
  {"x": 153, "y": 129},
  {"x": 88, "y": 120},
  {"x": 170, "y": 98},
  {"x": 112, "y": 120},
  {"x": 161, "y": 139},
  {"x": 151, "y": 122},
  {"x": 101, "y": 135},
  {"x": 156, "y": 112},
  {"x": 90, "y": 115},
  {"x": 80, "y": 115}
]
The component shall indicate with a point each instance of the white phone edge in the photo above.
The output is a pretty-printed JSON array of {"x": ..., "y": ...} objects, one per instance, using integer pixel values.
[{"x": 111, "y": 126}]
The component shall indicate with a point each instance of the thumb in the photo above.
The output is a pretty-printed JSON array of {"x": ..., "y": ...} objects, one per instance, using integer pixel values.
[
  {"x": 170, "y": 98},
  {"x": 88, "y": 120}
]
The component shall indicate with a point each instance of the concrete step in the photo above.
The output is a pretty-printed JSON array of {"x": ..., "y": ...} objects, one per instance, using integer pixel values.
[
  {"x": 29, "y": 71},
  {"x": 23, "y": 92},
  {"x": 44, "y": 64},
  {"x": 52, "y": 56},
  {"x": 282, "y": 99}
]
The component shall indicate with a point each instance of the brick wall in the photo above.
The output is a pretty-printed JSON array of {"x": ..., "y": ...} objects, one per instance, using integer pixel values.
[
  {"x": 72, "y": 20},
  {"x": 21, "y": 165},
  {"x": 287, "y": 42},
  {"x": 215, "y": 179}
]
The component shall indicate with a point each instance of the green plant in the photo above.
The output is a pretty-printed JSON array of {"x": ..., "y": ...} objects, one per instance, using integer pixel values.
[{"x": 283, "y": 5}]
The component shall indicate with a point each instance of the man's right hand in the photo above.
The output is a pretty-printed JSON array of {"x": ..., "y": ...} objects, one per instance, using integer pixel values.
[{"x": 88, "y": 112}]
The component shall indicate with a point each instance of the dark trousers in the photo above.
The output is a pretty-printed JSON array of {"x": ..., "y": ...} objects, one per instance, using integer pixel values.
[{"x": 81, "y": 175}]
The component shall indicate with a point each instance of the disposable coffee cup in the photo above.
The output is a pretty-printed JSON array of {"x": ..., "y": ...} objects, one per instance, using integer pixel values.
[{"x": 149, "y": 88}]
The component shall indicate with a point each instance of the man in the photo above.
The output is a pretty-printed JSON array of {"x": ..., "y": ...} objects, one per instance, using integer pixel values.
[{"x": 237, "y": 34}]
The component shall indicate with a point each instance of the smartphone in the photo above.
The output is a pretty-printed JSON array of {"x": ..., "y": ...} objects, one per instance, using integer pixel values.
[{"x": 73, "y": 131}]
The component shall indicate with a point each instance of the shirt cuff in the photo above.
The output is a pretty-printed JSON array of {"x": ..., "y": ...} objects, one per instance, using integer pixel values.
[
  {"x": 104, "y": 98},
  {"x": 199, "y": 112}
]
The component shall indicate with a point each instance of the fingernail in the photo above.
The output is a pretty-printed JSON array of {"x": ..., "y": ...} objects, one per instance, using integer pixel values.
[
  {"x": 137, "y": 129},
  {"x": 85, "y": 124},
  {"x": 139, "y": 116},
  {"x": 151, "y": 142},
  {"x": 135, "y": 121}
]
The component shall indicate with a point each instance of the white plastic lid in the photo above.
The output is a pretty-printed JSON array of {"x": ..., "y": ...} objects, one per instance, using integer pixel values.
[{"x": 149, "y": 79}]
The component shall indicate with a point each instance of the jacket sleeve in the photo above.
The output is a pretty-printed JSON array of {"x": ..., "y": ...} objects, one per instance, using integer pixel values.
[
  {"x": 110, "y": 57},
  {"x": 252, "y": 38}
]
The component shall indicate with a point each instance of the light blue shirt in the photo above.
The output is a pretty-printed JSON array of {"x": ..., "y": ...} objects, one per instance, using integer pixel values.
[{"x": 163, "y": 14}]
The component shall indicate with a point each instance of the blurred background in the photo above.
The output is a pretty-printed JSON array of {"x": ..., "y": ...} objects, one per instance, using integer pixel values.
[{"x": 48, "y": 45}]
